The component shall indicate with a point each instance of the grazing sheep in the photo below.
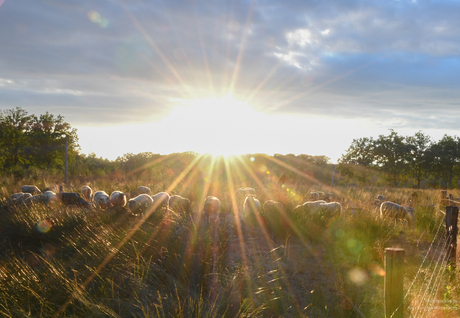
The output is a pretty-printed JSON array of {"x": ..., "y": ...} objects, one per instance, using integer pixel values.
[
  {"x": 245, "y": 191},
  {"x": 397, "y": 211},
  {"x": 30, "y": 189},
  {"x": 140, "y": 204},
  {"x": 314, "y": 196},
  {"x": 251, "y": 211},
  {"x": 143, "y": 190},
  {"x": 118, "y": 199},
  {"x": 72, "y": 198},
  {"x": 308, "y": 206},
  {"x": 86, "y": 192},
  {"x": 330, "y": 209},
  {"x": 276, "y": 217},
  {"x": 211, "y": 206},
  {"x": 46, "y": 198},
  {"x": 241, "y": 193},
  {"x": 251, "y": 205},
  {"x": 273, "y": 208},
  {"x": 179, "y": 203},
  {"x": 102, "y": 199},
  {"x": 161, "y": 200},
  {"x": 15, "y": 196},
  {"x": 19, "y": 198}
]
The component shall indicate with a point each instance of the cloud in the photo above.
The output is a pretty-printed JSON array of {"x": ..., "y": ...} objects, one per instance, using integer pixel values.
[{"x": 393, "y": 62}]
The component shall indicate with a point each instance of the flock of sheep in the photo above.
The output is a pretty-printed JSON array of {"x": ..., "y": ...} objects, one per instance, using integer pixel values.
[{"x": 248, "y": 204}]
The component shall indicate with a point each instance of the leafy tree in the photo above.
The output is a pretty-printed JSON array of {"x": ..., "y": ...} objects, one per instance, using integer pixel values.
[
  {"x": 14, "y": 140},
  {"x": 444, "y": 156},
  {"x": 30, "y": 141},
  {"x": 417, "y": 155},
  {"x": 48, "y": 136},
  {"x": 359, "y": 159},
  {"x": 390, "y": 154}
]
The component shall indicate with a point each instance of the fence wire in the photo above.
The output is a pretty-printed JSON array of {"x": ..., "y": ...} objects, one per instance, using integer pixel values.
[{"x": 439, "y": 249}]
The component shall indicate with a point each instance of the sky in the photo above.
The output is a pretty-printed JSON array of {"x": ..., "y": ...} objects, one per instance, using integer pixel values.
[{"x": 300, "y": 76}]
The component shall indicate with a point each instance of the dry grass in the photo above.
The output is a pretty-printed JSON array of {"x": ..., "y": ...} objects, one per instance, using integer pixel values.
[{"x": 98, "y": 264}]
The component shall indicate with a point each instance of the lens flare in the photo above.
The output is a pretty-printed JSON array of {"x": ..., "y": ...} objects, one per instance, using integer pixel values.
[
  {"x": 96, "y": 17},
  {"x": 43, "y": 226},
  {"x": 358, "y": 276}
]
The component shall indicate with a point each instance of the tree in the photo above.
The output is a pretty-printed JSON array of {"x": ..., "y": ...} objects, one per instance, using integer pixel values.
[
  {"x": 14, "y": 139},
  {"x": 417, "y": 156},
  {"x": 359, "y": 159},
  {"x": 48, "y": 136},
  {"x": 444, "y": 156},
  {"x": 390, "y": 152},
  {"x": 27, "y": 140}
]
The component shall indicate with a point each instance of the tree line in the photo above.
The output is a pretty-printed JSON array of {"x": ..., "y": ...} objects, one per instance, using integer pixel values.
[
  {"x": 410, "y": 161},
  {"x": 31, "y": 144}
]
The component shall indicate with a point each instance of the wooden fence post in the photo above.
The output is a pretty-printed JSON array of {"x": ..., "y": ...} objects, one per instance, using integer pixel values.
[
  {"x": 452, "y": 230},
  {"x": 394, "y": 282},
  {"x": 443, "y": 201}
]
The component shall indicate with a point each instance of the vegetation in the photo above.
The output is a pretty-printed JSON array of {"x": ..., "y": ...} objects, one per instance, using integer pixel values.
[
  {"x": 66, "y": 261},
  {"x": 394, "y": 160}
]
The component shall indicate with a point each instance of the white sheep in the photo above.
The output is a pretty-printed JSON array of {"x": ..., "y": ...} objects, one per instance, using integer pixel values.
[
  {"x": 140, "y": 204},
  {"x": 251, "y": 205},
  {"x": 396, "y": 211},
  {"x": 273, "y": 208},
  {"x": 101, "y": 199},
  {"x": 211, "y": 205},
  {"x": 44, "y": 198},
  {"x": 143, "y": 190},
  {"x": 308, "y": 206},
  {"x": 118, "y": 199},
  {"x": 86, "y": 192},
  {"x": 241, "y": 193},
  {"x": 314, "y": 196},
  {"x": 30, "y": 189},
  {"x": 179, "y": 203},
  {"x": 19, "y": 198},
  {"x": 330, "y": 209},
  {"x": 161, "y": 200}
]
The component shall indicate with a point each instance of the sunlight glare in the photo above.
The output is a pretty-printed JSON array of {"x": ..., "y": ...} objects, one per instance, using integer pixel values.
[{"x": 216, "y": 126}]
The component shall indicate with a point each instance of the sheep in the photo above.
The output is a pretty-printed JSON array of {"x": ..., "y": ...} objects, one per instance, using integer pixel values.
[
  {"x": 72, "y": 198},
  {"x": 314, "y": 196},
  {"x": 179, "y": 203},
  {"x": 330, "y": 209},
  {"x": 397, "y": 211},
  {"x": 30, "y": 189},
  {"x": 102, "y": 199},
  {"x": 14, "y": 196},
  {"x": 251, "y": 211},
  {"x": 245, "y": 191},
  {"x": 140, "y": 204},
  {"x": 86, "y": 192},
  {"x": 161, "y": 200},
  {"x": 251, "y": 205},
  {"x": 211, "y": 206},
  {"x": 44, "y": 198},
  {"x": 143, "y": 190},
  {"x": 276, "y": 217},
  {"x": 19, "y": 198},
  {"x": 308, "y": 206},
  {"x": 380, "y": 198},
  {"x": 273, "y": 208},
  {"x": 118, "y": 199}
]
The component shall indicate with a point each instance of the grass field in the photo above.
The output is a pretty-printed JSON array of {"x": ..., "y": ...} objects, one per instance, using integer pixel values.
[{"x": 65, "y": 261}]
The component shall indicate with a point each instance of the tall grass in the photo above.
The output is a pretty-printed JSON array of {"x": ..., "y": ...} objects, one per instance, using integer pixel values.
[{"x": 67, "y": 261}]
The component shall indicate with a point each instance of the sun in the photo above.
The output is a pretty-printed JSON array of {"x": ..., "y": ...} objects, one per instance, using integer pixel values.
[{"x": 217, "y": 126}]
